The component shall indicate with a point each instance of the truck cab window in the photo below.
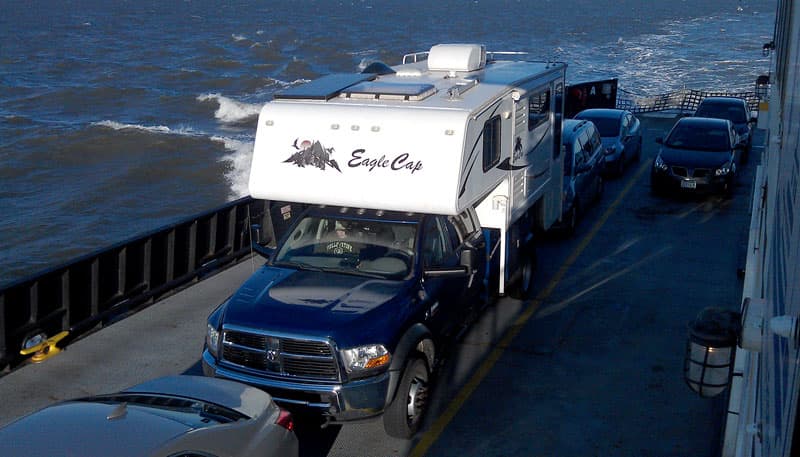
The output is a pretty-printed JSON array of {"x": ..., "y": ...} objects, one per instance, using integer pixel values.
[{"x": 436, "y": 246}]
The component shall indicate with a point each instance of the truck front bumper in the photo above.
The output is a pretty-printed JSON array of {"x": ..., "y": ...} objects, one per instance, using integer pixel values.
[{"x": 348, "y": 401}]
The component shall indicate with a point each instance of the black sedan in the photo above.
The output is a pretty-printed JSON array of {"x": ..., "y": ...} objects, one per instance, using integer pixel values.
[{"x": 698, "y": 154}]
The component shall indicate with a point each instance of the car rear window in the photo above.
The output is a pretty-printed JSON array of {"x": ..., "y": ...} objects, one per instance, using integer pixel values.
[
  {"x": 192, "y": 412},
  {"x": 733, "y": 113},
  {"x": 608, "y": 127}
]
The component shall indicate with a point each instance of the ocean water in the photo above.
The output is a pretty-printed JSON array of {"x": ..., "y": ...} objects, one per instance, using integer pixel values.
[{"x": 120, "y": 116}]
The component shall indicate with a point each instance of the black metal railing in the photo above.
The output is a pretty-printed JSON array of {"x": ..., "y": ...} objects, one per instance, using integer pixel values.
[{"x": 99, "y": 288}]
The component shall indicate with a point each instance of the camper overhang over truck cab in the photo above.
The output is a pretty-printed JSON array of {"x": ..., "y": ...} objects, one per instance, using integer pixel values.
[{"x": 426, "y": 183}]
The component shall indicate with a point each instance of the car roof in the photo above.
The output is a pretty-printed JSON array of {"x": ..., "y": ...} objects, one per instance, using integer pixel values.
[
  {"x": 723, "y": 100},
  {"x": 703, "y": 122},
  {"x": 571, "y": 128},
  {"x": 609, "y": 113},
  {"x": 245, "y": 399}
]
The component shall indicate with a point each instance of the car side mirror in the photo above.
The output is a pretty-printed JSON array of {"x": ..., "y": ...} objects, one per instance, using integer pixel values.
[
  {"x": 259, "y": 240},
  {"x": 660, "y": 140}
]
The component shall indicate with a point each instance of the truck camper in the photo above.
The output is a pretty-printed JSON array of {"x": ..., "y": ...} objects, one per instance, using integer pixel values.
[{"x": 425, "y": 183}]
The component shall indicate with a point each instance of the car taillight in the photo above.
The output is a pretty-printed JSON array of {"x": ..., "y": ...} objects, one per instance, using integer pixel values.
[{"x": 285, "y": 420}]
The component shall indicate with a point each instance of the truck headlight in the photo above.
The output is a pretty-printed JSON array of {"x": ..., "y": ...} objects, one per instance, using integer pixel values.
[
  {"x": 365, "y": 359},
  {"x": 212, "y": 339}
]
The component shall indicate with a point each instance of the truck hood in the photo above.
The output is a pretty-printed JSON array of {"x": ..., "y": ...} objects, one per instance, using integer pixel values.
[{"x": 320, "y": 304}]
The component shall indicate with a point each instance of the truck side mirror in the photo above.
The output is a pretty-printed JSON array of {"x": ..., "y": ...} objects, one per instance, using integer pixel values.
[
  {"x": 469, "y": 260},
  {"x": 258, "y": 241}
]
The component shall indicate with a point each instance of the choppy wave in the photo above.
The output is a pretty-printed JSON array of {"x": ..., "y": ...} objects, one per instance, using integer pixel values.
[
  {"x": 237, "y": 161},
  {"x": 160, "y": 129},
  {"x": 231, "y": 111}
]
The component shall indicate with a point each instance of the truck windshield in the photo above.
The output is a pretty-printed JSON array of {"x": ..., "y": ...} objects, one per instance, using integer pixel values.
[{"x": 352, "y": 246}]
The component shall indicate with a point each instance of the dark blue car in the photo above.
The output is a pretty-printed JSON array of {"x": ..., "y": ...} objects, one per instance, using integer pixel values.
[
  {"x": 621, "y": 134},
  {"x": 583, "y": 170},
  {"x": 698, "y": 155},
  {"x": 350, "y": 313},
  {"x": 735, "y": 110}
]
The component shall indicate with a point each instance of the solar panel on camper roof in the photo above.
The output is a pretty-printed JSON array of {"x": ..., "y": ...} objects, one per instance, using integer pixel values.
[
  {"x": 324, "y": 88},
  {"x": 391, "y": 90}
]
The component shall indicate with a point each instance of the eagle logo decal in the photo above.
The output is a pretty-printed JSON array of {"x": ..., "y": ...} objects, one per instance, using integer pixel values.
[{"x": 312, "y": 154}]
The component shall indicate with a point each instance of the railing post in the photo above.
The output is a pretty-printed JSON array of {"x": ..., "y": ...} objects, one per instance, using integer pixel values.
[
  {"x": 170, "y": 256},
  {"x": 33, "y": 302},
  {"x": 230, "y": 215},
  {"x": 66, "y": 320},
  {"x": 94, "y": 291},
  {"x": 192, "y": 248},
  {"x": 147, "y": 258},
  {"x": 122, "y": 268},
  {"x": 212, "y": 235},
  {"x": 3, "y": 331}
]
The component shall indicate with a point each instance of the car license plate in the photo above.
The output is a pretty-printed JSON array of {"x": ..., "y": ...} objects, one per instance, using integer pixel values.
[{"x": 689, "y": 184}]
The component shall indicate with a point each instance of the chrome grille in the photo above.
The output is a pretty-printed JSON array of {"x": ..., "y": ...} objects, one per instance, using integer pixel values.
[{"x": 290, "y": 357}]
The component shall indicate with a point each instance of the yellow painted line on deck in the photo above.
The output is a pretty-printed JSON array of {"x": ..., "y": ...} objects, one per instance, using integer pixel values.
[{"x": 436, "y": 430}]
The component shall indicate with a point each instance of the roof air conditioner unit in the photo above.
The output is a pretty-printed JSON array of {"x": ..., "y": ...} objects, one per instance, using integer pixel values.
[{"x": 457, "y": 57}]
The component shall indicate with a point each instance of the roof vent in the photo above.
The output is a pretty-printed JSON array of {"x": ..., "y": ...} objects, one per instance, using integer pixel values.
[{"x": 457, "y": 57}]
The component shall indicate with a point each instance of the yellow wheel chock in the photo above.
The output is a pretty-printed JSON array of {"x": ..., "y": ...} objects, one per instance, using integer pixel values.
[{"x": 46, "y": 348}]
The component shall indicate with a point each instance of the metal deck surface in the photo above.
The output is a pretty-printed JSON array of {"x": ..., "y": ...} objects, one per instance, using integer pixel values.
[{"x": 590, "y": 367}]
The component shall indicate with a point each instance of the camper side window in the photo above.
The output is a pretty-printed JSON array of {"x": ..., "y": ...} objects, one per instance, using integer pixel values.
[
  {"x": 491, "y": 143},
  {"x": 538, "y": 109}
]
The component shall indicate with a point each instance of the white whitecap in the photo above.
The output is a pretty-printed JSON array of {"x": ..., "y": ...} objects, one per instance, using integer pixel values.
[
  {"x": 238, "y": 37},
  {"x": 237, "y": 174},
  {"x": 159, "y": 129},
  {"x": 120, "y": 126},
  {"x": 231, "y": 111}
]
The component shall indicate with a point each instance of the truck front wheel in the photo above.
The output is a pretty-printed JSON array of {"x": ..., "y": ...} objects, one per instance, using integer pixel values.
[{"x": 404, "y": 415}]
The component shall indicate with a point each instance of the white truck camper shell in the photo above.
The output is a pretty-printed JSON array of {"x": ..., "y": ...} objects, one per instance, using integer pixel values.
[{"x": 448, "y": 129}]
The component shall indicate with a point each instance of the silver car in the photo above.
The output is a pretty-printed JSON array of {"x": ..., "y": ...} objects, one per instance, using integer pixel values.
[{"x": 186, "y": 416}]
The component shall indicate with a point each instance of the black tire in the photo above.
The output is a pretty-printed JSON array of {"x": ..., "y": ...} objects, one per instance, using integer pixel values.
[
  {"x": 620, "y": 165},
  {"x": 573, "y": 218},
  {"x": 601, "y": 186},
  {"x": 638, "y": 156},
  {"x": 522, "y": 287},
  {"x": 403, "y": 418}
]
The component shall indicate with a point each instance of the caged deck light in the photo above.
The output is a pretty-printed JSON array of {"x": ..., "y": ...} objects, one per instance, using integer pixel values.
[{"x": 710, "y": 351}]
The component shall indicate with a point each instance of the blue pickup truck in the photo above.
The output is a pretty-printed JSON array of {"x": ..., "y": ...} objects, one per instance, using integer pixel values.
[
  {"x": 423, "y": 186},
  {"x": 349, "y": 313}
]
